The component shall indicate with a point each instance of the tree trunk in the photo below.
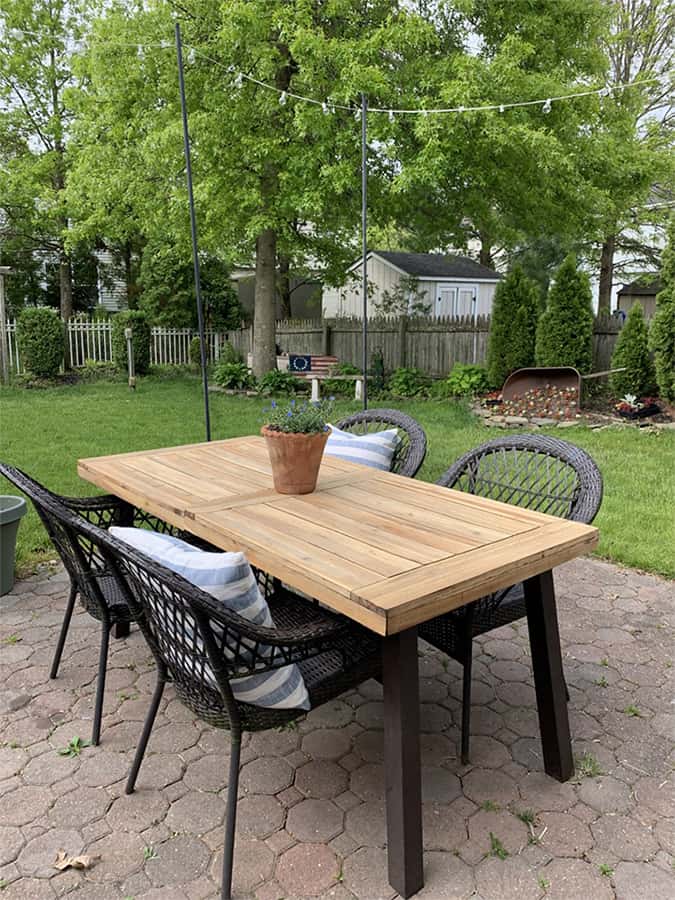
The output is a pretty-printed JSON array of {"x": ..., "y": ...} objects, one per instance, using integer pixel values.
[
  {"x": 264, "y": 320},
  {"x": 285, "y": 287},
  {"x": 606, "y": 275},
  {"x": 485, "y": 255},
  {"x": 66, "y": 300}
]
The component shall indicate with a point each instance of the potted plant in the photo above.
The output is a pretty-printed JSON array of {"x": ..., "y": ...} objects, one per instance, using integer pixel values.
[
  {"x": 11, "y": 510},
  {"x": 631, "y": 408},
  {"x": 296, "y": 434}
]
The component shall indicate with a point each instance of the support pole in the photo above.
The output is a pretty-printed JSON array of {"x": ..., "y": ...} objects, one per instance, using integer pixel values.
[
  {"x": 193, "y": 231},
  {"x": 4, "y": 345},
  {"x": 364, "y": 239}
]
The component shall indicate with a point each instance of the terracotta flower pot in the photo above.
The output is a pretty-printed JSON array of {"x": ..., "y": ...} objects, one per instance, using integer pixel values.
[{"x": 295, "y": 459}]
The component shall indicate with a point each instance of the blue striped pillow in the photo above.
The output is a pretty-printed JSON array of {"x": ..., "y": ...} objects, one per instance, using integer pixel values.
[
  {"x": 375, "y": 449},
  {"x": 228, "y": 578}
]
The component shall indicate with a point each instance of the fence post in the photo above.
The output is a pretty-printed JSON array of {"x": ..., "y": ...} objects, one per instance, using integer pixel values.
[
  {"x": 128, "y": 334},
  {"x": 4, "y": 361},
  {"x": 325, "y": 339},
  {"x": 402, "y": 340}
]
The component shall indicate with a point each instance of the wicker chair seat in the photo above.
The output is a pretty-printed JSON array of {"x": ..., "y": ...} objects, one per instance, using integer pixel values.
[{"x": 411, "y": 450}]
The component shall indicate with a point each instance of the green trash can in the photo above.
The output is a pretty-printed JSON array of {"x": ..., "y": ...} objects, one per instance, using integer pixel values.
[{"x": 11, "y": 511}]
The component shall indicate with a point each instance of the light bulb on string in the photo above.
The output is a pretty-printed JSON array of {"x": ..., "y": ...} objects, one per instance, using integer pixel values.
[
  {"x": 191, "y": 56},
  {"x": 461, "y": 109},
  {"x": 546, "y": 108},
  {"x": 501, "y": 107},
  {"x": 324, "y": 109},
  {"x": 357, "y": 113},
  {"x": 391, "y": 116},
  {"x": 239, "y": 80},
  {"x": 283, "y": 99}
]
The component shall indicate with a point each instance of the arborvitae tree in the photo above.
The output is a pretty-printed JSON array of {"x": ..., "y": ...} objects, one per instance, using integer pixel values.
[
  {"x": 632, "y": 354},
  {"x": 662, "y": 332},
  {"x": 513, "y": 326},
  {"x": 565, "y": 330}
]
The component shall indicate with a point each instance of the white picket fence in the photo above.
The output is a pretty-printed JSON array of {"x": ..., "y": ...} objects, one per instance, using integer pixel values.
[{"x": 93, "y": 341}]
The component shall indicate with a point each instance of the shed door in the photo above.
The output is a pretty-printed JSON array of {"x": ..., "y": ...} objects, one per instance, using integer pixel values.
[
  {"x": 465, "y": 300},
  {"x": 446, "y": 300}
]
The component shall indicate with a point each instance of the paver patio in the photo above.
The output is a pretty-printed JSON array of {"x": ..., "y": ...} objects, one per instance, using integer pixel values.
[{"x": 310, "y": 817}]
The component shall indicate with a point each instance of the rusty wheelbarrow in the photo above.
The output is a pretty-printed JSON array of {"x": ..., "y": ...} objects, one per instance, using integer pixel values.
[{"x": 564, "y": 378}]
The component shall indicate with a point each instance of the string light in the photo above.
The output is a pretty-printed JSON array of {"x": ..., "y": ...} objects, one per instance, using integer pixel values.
[
  {"x": 324, "y": 109},
  {"x": 283, "y": 99},
  {"x": 546, "y": 108},
  {"x": 391, "y": 116},
  {"x": 501, "y": 107},
  {"x": 238, "y": 80}
]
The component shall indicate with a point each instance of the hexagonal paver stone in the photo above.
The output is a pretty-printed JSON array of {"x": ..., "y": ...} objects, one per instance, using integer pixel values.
[
  {"x": 606, "y": 794},
  {"x": 314, "y": 821},
  {"x": 434, "y": 718},
  {"x": 664, "y": 831},
  {"x": 49, "y": 767},
  {"x": 565, "y": 834},
  {"x": 365, "y": 874},
  {"x": 321, "y": 779},
  {"x": 626, "y": 838},
  {"x": 334, "y": 714},
  {"x": 179, "y": 861},
  {"x": 196, "y": 813},
  {"x": 637, "y": 881},
  {"x": 80, "y": 807},
  {"x": 267, "y": 775},
  {"x": 369, "y": 745},
  {"x": 443, "y": 828},
  {"x": 28, "y": 889},
  {"x": 11, "y": 842},
  {"x": 507, "y": 879},
  {"x": 119, "y": 853},
  {"x": 511, "y": 833},
  {"x": 439, "y": 785},
  {"x": 307, "y": 870},
  {"x": 259, "y": 816},
  {"x": 175, "y": 737},
  {"x": 482, "y": 785},
  {"x": 326, "y": 743},
  {"x": 569, "y": 878},
  {"x": 368, "y": 782},
  {"x": 253, "y": 863},
  {"x": 538, "y": 791},
  {"x": 371, "y": 715},
  {"x": 657, "y": 794},
  {"x": 272, "y": 743},
  {"x": 207, "y": 773},
  {"x": 446, "y": 878},
  {"x": 137, "y": 811},
  {"x": 38, "y": 856},
  {"x": 366, "y": 824},
  {"x": 103, "y": 769},
  {"x": 26, "y": 804}
]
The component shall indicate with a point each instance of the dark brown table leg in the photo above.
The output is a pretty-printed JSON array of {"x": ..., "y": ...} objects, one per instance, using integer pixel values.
[
  {"x": 403, "y": 784},
  {"x": 121, "y": 629},
  {"x": 549, "y": 681}
]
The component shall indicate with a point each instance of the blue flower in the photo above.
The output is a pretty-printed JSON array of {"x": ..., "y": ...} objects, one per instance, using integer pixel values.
[
  {"x": 274, "y": 404},
  {"x": 289, "y": 413}
]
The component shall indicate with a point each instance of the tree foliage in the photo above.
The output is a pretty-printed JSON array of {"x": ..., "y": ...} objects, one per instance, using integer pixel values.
[
  {"x": 565, "y": 330},
  {"x": 632, "y": 354},
  {"x": 513, "y": 326},
  {"x": 662, "y": 331}
]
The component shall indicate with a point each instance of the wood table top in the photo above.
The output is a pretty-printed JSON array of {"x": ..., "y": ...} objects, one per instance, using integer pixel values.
[{"x": 387, "y": 551}]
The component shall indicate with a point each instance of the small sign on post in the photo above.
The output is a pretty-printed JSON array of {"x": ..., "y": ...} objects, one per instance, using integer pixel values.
[{"x": 129, "y": 335}]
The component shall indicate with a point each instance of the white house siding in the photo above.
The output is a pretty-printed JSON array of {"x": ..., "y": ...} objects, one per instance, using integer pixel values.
[
  {"x": 112, "y": 289},
  {"x": 347, "y": 301}
]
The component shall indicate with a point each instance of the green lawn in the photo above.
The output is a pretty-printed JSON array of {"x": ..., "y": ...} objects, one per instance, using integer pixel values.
[{"x": 46, "y": 431}]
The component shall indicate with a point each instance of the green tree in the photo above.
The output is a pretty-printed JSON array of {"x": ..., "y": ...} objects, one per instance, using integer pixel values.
[
  {"x": 662, "y": 331},
  {"x": 565, "y": 330},
  {"x": 628, "y": 155},
  {"x": 37, "y": 40},
  {"x": 281, "y": 180},
  {"x": 513, "y": 326},
  {"x": 632, "y": 354}
]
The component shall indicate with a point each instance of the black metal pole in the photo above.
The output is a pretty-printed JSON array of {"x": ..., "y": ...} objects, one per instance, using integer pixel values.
[
  {"x": 364, "y": 239},
  {"x": 193, "y": 230}
]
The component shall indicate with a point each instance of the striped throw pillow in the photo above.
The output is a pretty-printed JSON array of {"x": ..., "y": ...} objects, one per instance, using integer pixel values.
[
  {"x": 228, "y": 578},
  {"x": 375, "y": 449}
]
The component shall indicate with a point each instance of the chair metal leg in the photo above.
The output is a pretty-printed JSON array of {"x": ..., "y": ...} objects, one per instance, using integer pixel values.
[
  {"x": 64, "y": 631},
  {"x": 467, "y": 664},
  {"x": 145, "y": 736},
  {"x": 230, "y": 818},
  {"x": 100, "y": 685}
]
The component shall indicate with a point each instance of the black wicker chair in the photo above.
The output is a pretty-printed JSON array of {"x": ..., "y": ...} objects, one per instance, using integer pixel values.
[
  {"x": 99, "y": 593},
  {"x": 530, "y": 470},
  {"x": 199, "y": 646},
  {"x": 412, "y": 449}
]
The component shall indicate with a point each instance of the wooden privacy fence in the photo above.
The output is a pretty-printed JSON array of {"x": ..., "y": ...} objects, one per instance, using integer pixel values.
[{"x": 432, "y": 345}]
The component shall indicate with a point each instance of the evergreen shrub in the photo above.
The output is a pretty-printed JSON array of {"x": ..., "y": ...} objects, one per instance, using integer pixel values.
[
  {"x": 565, "y": 330},
  {"x": 632, "y": 353},
  {"x": 40, "y": 337}
]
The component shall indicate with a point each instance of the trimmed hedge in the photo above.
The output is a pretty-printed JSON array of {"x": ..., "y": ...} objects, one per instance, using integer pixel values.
[
  {"x": 565, "y": 330},
  {"x": 138, "y": 322},
  {"x": 632, "y": 353},
  {"x": 40, "y": 336},
  {"x": 513, "y": 326}
]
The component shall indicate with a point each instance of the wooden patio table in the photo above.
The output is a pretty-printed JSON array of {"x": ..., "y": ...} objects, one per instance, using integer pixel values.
[{"x": 386, "y": 551}]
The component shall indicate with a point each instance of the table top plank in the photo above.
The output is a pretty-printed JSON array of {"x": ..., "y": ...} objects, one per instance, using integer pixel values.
[{"x": 389, "y": 552}]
